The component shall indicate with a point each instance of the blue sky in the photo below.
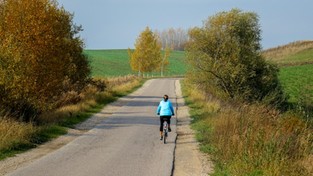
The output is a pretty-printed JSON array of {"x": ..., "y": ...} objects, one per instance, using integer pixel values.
[{"x": 115, "y": 24}]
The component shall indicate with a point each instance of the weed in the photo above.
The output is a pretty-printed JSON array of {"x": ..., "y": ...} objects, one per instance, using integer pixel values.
[{"x": 251, "y": 139}]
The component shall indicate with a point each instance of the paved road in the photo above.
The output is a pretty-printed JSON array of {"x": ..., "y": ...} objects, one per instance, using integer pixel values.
[{"x": 126, "y": 143}]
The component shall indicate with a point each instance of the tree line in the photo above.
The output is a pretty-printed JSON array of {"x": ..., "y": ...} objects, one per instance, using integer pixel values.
[
  {"x": 41, "y": 57},
  {"x": 175, "y": 39}
]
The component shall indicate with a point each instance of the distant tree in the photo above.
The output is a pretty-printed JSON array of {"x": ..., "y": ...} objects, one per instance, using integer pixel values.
[
  {"x": 40, "y": 54},
  {"x": 174, "y": 38},
  {"x": 147, "y": 54},
  {"x": 225, "y": 55}
]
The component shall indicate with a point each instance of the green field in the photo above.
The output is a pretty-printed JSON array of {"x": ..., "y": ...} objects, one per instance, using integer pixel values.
[
  {"x": 296, "y": 73},
  {"x": 297, "y": 82},
  {"x": 108, "y": 63}
]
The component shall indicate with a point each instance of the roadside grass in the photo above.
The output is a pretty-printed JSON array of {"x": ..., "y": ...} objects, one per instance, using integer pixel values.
[
  {"x": 250, "y": 139},
  {"x": 14, "y": 135},
  {"x": 17, "y": 137},
  {"x": 111, "y": 63}
]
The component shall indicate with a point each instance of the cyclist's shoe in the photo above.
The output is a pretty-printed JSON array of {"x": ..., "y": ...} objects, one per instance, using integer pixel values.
[
  {"x": 169, "y": 129},
  {"x": 161, "y": 138}
]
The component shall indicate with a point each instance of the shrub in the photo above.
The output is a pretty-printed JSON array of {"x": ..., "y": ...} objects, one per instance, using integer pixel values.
[
  {"x": 40, "y": 55},
  {"x": 225, "y": 59}
]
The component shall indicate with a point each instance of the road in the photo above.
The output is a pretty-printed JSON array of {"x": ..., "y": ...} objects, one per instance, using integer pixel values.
[{"x": 125, "y": 143}]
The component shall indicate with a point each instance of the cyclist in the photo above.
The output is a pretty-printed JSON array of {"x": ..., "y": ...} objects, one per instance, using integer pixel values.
[{"x": 166, "y": 111}]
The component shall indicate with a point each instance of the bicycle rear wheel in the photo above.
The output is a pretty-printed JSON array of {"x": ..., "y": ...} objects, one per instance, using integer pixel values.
[
  {"x": 165, "y": 131},
  {"x": 164, "y": 136}
]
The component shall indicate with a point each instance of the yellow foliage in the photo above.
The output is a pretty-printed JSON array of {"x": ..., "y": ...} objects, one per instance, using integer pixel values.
[
  {"x": 147, "y": 54},
  {"x": 40, "y": 56}
]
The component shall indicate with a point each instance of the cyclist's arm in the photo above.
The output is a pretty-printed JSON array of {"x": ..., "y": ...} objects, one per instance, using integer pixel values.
[
  {"x": 172, "y": 109},
  {"x": 158, "y": 110}
]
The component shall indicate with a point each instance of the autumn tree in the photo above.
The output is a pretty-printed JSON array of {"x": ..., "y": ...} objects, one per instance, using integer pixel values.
[
  {"x": 225, "y": 55},
  {"x": 40, "y": 56},
  {"x": 147, "y": 55}
]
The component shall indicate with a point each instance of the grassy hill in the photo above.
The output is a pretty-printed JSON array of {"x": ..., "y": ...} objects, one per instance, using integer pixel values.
[
  {"x": 108, "y": 63},
  {"x": 295, "y": 53},
  {"x": 296, "y": 69}
]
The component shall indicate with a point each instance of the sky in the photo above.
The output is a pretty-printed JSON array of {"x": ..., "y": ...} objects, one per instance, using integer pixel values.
[{"x": 116, "y": 24}]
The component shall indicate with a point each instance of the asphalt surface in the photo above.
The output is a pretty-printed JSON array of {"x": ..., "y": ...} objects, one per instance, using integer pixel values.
[{"x": 126, "y": 143}]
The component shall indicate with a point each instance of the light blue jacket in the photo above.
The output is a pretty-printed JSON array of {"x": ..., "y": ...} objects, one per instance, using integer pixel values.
[{"x": 165, "y": 108}]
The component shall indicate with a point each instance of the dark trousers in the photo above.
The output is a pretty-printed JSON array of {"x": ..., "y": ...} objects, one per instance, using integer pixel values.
[{"x": 164, "y": 118}]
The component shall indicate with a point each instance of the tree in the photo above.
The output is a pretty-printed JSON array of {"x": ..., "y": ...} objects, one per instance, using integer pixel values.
[
  {"x": 147, "y": 54},
  {"x": 225, "y": 55},
  {"x": 173, "y": 38},
  {"x": 40, "y": 54}
]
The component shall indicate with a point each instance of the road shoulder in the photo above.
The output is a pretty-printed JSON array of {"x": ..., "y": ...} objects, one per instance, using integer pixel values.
[{"x": 189, "y": 160}]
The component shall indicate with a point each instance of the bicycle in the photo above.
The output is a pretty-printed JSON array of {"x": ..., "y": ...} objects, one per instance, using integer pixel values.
[{"x": 165, "y": 131}]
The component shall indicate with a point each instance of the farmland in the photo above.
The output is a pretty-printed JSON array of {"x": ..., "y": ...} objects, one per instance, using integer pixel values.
[
  {"x": 293, "y": 59},
  {"x": 297, "y": 82},
  {"x": 109, "y": 63},
  {"x": 296, "y": 69}
]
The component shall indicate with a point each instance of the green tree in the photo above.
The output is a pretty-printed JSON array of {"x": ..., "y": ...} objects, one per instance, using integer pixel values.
[
  {"x": 225, "y": 55},
  {"x": 40, "y": 55},
  {"x": 147, "y": 54}
]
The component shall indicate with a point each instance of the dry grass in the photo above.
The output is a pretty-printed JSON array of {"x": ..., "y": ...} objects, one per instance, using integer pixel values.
[
  {"x": 278, "y": 53},
  {"x": 255, "y": 140},
  {"x": 124, "y": 86},
  {"x": 307, "y": 162},
  {"x": 252, "y": 139},
  {"x": 91, "y": 98},
  {"x": 208, "y": 103},
  {"x": 14, "y": 133},
  {"x": 120, "y": 81}
]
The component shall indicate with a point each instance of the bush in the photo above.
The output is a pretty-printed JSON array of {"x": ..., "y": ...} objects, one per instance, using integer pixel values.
[
  {"x": 225, "y": 59},
  {"x": 41, "y": 57}
]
